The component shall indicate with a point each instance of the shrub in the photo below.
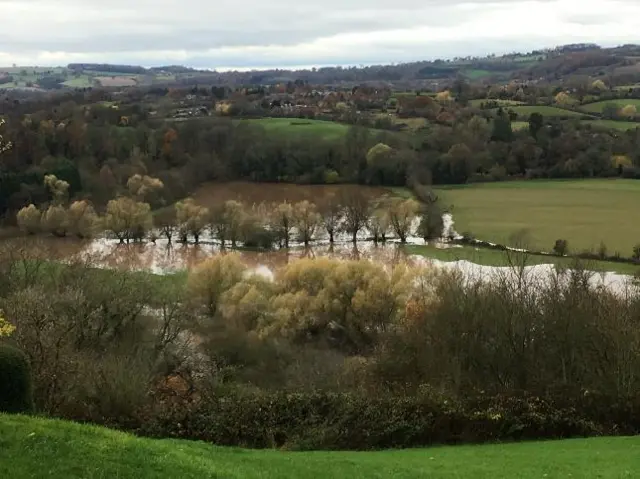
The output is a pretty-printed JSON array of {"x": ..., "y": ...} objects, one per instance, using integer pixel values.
[
  {"x": 15, "y": 381},
  {"x": 561, "y": 247}
]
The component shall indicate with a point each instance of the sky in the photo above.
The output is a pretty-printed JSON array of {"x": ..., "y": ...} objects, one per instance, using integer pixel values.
[{"x": 244, "y": 34}]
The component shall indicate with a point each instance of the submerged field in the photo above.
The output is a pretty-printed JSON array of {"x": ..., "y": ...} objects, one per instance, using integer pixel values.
[
  {"x": 213, "y": 194},
  {"x": 584, "y": 212},
  {"x": 32, "y": 447}
]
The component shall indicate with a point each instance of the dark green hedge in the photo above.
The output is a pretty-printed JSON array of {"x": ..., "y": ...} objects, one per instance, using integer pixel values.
[
  {"x": 15, "y": 381},
  {"x": 357, "y": 422}
]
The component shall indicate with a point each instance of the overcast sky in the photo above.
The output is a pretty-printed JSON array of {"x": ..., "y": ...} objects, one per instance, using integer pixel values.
[{"x": 226, "y": 34}]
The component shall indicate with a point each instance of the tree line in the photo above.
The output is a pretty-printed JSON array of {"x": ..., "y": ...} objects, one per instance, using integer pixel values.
[
  {"x": 129, "y": 218},
  {"x": 83, "y": 140}
]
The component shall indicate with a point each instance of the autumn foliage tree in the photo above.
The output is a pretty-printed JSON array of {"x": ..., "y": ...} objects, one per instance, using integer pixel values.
[{"x": 28, "y": 219}]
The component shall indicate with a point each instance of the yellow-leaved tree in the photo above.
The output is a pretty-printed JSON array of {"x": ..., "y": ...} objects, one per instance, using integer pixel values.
[
  {"x": 213, "y": 277},
  {"x": 28, "y": 219},
  {"x": 6, "y": 328},
  {"x": 192, "y": 218}
]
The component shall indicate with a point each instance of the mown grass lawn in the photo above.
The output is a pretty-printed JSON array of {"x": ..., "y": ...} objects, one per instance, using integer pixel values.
[
  {"x": 35, "y": 448},
  {"x": 584, "y": 212}
]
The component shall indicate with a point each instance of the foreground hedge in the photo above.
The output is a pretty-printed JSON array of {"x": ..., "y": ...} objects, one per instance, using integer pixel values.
[
  {"x": 347, "y": 421},
  {"x": 15, "y": 381}
]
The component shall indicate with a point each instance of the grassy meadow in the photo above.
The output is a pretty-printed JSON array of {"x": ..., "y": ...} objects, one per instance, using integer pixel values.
[
  {"x": 598, "y": 107},
  {"x": 31, "y": 447},
  {"x": 300, "y": 128},
  {"x": 584, "y": 212}
]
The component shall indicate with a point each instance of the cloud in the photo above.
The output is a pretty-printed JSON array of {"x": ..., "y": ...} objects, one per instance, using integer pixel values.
[{"x": 254, "y": 33}]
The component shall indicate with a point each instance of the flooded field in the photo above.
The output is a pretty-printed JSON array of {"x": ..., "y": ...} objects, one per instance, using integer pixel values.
[{"x": 213, "y": 194}]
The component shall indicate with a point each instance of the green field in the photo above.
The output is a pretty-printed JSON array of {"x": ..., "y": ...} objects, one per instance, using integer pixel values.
[
  {"x": 300, "y": 128},
  {"x": 613, "y": 124},
  {"x": 476, "y": 74},
  {"x": 598, "y": 107},
  {"x": 83, "y": 81},
  {"x": 526, "y": 110},
  {"x": 31, "y": 448},
  {"x": 584, "y": 212},
  {"x": 492, "y": 257}
]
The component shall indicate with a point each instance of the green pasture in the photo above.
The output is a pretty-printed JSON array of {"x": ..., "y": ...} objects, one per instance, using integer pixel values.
[
  {"x": 598, "y": 107},
  {"x": 584, "y": 212}
]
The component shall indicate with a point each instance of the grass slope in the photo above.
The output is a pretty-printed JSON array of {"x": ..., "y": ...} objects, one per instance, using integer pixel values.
[
  {"x": 62, "y": 450},
  {"x": 584, "y": 212},
  {"x": 598, "y": 107}
]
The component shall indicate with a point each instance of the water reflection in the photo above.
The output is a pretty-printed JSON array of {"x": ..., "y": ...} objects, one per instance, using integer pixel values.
[{"x": 163, "y": 257}]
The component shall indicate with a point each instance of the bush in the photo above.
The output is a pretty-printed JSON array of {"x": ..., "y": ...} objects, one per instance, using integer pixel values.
[
  {"x": 561, "y": 247},
  {"x": 15, "y": 381}
]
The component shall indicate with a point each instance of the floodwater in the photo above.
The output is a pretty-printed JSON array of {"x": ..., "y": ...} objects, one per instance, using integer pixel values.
[{"x": 163, "y": 258}]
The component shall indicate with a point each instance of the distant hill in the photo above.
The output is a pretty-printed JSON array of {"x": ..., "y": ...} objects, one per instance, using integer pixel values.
[{"x": 619, "y": 65}]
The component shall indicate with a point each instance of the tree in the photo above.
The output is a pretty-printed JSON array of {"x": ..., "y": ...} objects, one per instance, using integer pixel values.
[
  {"x": 610, "y": 110},
  {"x": 562, "y": 98},
  {"x": 28, "y": 219},
  {"x": 629, "y": 111},
  {"x": 599, "y": 86},
  {"x": 306, "y": 220},
  {"x": 128, "y": 219},
  {"x": 210, "y": 279},
  {"x": 502, "y": 130},
  {"x": 536, "y": 122},
  {"x": 348, "y": 304},
  {"x": 226, "y": 222},
  {"x": 192, "y": 218},
  {"x": 357, "y": 210},
  {"x": 561, "y": 247},
  {"x": 56, "y": 220},
  {"x": 83, "y": 220},
  {"x": 332, "y": 215},
  {"x": 165, "y": 221},
  {"x": 402, "y": 214},
  {"x": 59, "y": 189},
  {"x": 6, "y": 328},
  {"x": 444, "y": 96},
  {"x": 282, "y": 221},
  {"x": 140, "y": 186},
  {"x": 431, "y": 223},
  {"x": 379, "y": 224}
]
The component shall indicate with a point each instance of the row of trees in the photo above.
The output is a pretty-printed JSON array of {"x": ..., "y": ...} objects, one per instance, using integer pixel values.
[{"x": 130, "y": 218}]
